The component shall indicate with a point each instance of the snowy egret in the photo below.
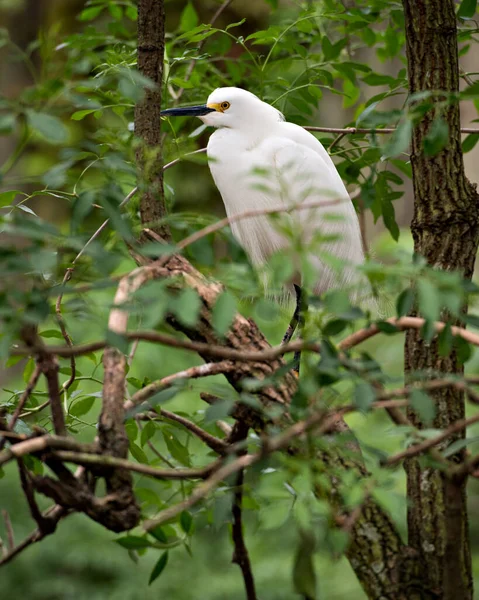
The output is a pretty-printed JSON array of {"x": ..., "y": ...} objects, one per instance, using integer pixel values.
[{"x": 260, "y": 161}]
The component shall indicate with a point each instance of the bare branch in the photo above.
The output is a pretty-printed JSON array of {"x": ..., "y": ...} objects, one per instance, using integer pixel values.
[
  {"x": 363, "y": 131},
  {"x": 53, "y": 515},
  {"x": 63, "y": 328},
  {"x": 211, "y": 441},
  {"x": 39, "y": 444},
  {"x": 111, "y": 462},
  {"x": 266, "y": 355},
  {"x": 30, "y": 496},
  {"x": 32, "y": 382},
  {"x": 240, "y": 554},
  {"x": 149, "y": 443},
  {"x": 9, "y": 530},
  {"x": 416, "y": 449},
  {"x": 153, "y": 388}
]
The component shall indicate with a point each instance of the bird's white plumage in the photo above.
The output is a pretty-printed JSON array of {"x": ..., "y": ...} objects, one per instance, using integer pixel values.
[{"x": 259, "y": 161}]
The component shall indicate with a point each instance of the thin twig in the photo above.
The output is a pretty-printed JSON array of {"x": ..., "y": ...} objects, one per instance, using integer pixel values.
[
  {"x": 149, "y": 443},
  {"x": 211, "y": 441},
  {"x": 336, "y": 141},
  {"x": 103, "y": 225},
  {"x": 41, "y": 443},
  {"x": 240, "y": 554},
  {"x": 30, "y": 495},
  {"x": 50, "y": 370},
  {"x": 225, "y": 428},
  {"x": 416, "y": 449},
  {"x": 49, "y": 366},
  {"x": 63, "y": 329},
  {"x": 8, "y": 530},
  {"x": 83, "y": 458},
  {"x": 153, "y": 388},
  {"x": 54, "y": 514},
  {"x": 32, "y": 382},
  {"x": 224, "y": 352},
  {"x": 364, "y": 131}
]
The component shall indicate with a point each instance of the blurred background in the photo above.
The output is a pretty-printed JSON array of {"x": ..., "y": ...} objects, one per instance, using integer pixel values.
[{"x": 81, "y": 560}]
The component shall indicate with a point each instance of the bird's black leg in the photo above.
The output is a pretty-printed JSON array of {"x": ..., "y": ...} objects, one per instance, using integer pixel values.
[{"x": 296, "y": 319}]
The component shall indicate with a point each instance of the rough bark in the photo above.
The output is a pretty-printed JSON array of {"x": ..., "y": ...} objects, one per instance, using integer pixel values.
[
  {"x": 151, "y": 46},
  {"x": 445, "y": 231}
]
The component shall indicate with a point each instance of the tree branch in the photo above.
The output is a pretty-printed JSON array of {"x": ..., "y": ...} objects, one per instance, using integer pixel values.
[
  {"x": 416, "y": 449},
  {"x": 240, "y": 554},
  {"x": 153, "y": 388},
  {"x": 227, "y": 353}
]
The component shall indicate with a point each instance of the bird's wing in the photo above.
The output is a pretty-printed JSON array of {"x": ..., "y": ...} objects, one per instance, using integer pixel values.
[{"x": 305, "y": 174}]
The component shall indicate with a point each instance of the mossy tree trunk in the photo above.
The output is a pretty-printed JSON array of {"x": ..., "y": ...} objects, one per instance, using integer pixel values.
[
  {"x": 151, "y": 49},
  {"x": 445, "y": 231}
]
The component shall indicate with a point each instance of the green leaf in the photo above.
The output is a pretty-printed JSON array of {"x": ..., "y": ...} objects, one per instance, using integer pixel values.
[
  {"x": 133, "y": 542},
  {"x": 470, "y": 141},
  {"x": 131, "y": 12},
  {"x": 117, "y": 340},
  {"x": 115, "y": 11},
  {"x": 186, "y": 522},
  {"x": 147, "y": 432},
  {"x": 436, "y": 138},
  {"x": 90, "y": 13},
  {"x": 334, "y": 327},
  {"x": 389, "y": 218},
  {"x": 231, "y": 25},
  {"x": 158, "y": 533},
  {"x": 159, "y": 567},
  {"x": 428, "y": 299},
  {"x": 81, "y": 114},
  {"x": 378, "y": 79},
  {"x": 364, "y": 396},
  {"x": 51, "y": 333},
  {"x": 467, "y": 9},
  {"x": 304, "y": 576},
  {"x": 7, "y": 123},
  {"x": 223, "y": 312},
  {"x": 177, "y": 450},
  {"x": 187, "y": 306},
  {"x": 471, "y": 91},
  {"x": 463, "y": 349},
  {"x": 404, "y": 302},
  {"x": 138, "y": 453},
  {"x": 459, "y": 445},
  {"x": 189, "y": 18},
  {"x": 27, "y": 209},
  {"x": 28, "y": 370},
  {"x": 445, "y": 340},
  {"x": 6, "y": 198},
  {"x": 399, "y": 141},
  {"x": 423, "y": 405},
  {"x": 49, "y": 127},
  {"x": 82, "y": 407}
]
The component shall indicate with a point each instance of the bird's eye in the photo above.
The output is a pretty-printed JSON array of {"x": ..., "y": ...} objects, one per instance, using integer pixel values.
[{"x": 225, "y": 105}]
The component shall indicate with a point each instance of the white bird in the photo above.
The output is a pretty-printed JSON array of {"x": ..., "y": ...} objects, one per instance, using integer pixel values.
[{"x": 259, "y": 161}]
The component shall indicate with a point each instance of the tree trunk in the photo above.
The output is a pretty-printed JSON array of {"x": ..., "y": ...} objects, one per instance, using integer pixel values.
[
  {"x": 151, "y": 47},
  {"x": 445, "y": 231}
]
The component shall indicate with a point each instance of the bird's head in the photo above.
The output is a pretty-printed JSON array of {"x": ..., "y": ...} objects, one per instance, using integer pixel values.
[{"x": 230, "y": 107}]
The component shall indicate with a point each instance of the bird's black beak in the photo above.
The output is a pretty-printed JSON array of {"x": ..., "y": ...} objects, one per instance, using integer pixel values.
[{"x": 187, "y": 111}]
